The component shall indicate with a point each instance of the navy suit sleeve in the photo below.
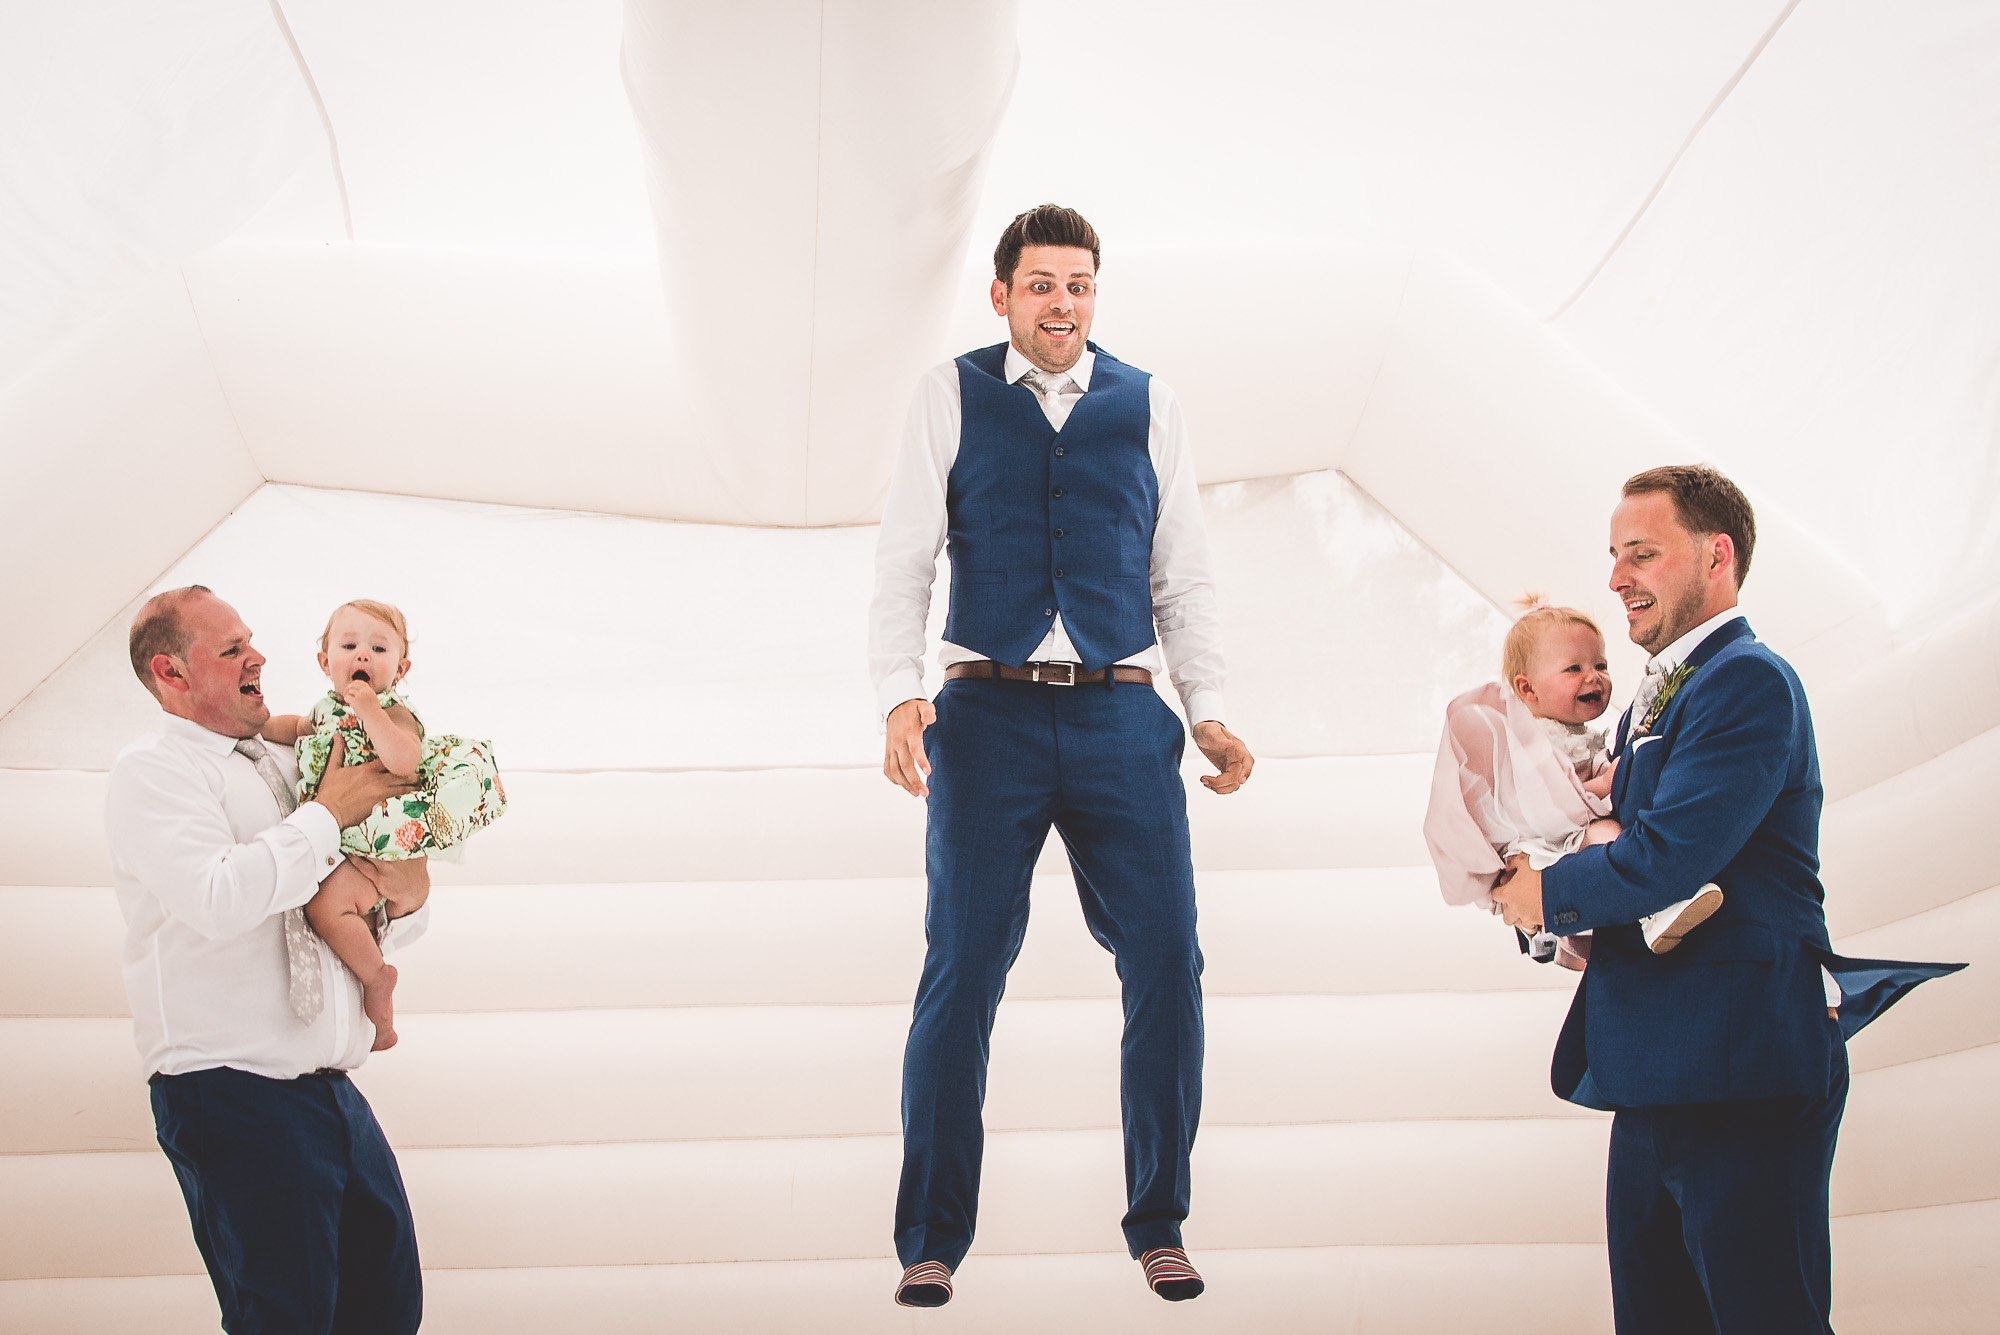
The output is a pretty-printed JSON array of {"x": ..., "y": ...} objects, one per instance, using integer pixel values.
[{"x": 1726, "y": 764}]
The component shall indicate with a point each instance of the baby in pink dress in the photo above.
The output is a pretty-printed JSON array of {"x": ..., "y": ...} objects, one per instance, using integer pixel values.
[{"x": 1520, "y": 770}]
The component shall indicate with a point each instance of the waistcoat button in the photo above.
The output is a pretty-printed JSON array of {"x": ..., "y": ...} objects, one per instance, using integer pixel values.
[
  {"x": 1059, "y": 451},
  {"x": 1057, "y": 493},
  {"x": 1059, "y": 572}
]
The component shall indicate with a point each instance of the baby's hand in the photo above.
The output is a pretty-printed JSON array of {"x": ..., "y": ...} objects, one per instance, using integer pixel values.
[{"x": 360, "y": 696}]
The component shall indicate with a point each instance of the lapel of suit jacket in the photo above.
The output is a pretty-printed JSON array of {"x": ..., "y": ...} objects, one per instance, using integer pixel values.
[
  {"x": 1624, "y": 728},
  {"x": 1718, "y": 639},
  {"x": 1623, "y": 772}
]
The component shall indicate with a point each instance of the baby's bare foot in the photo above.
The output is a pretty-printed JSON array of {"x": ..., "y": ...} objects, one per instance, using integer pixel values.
[{"x": 378, "y": 1003}]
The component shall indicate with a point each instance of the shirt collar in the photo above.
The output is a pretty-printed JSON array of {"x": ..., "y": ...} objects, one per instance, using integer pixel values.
[
  {"x": 1680, "y": 650},
  {"x": 205, "y": 738},
  {"x": 1018, "y": 366}
]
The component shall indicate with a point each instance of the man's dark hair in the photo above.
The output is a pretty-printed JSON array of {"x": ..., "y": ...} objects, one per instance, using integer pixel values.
[
  {"x": 1043, "y": 225},
  {"x": 158, "y": 629},
  {"x": 1706, "y": 503}
]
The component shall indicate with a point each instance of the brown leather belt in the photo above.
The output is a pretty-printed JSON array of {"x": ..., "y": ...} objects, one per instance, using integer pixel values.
[{"x": 1046, "y": 674}]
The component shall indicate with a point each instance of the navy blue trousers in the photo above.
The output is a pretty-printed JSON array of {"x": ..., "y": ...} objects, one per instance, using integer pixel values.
[
  {"x": 1102, "y": 765},
  {"x": 297, "y": 1204},
  {"x": 1717, "y": 1214}
]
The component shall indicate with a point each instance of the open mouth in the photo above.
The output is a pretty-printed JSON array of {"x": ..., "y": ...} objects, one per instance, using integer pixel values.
[
  {"x": 360, "y": 674},
  {"x": 1058, "y": 328},
  {"x": 1637, "y": 605},
  {"x": 251, "y": 689},
  {"x": 1590, "y": 698}
]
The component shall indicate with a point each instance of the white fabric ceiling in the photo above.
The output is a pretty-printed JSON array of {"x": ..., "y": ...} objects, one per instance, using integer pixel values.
[
  {"x": 136, "y": 134},
  {"x": 1808, "y": 293},
  {"x": 1815, "y": 296}
]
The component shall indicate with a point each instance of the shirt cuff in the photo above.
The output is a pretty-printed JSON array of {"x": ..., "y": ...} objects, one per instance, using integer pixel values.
[
  {"x": 406, "y": 929},
  {"x": 322, "y": 831},
  {"x": 900, "y": 686},
  {"x": 1204, "y": 707}
]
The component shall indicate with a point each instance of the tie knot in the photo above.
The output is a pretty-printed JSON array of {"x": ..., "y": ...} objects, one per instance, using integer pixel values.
[
  {"x": 251, "y": 748},
  {"x": 1045, "y": 383}
]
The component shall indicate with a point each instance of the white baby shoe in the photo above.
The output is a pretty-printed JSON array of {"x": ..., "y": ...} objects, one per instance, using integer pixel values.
[{"x": 1664, "y": 930}]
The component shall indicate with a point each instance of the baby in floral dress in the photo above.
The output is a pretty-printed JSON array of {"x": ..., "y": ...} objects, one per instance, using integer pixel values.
[
  {"x": 1520, "y": 770},
  {"x": 364, "y": 651}
]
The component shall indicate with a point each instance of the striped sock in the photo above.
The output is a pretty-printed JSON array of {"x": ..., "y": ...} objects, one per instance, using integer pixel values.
[
  {"x": 1171, "y": 1275},
  {"x": 925, "y": 1284}
]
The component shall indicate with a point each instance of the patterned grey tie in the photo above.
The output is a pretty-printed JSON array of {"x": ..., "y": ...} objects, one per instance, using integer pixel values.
[
  {"x": 1046, "y": 385},
  {"x": 301, "y": 952}
]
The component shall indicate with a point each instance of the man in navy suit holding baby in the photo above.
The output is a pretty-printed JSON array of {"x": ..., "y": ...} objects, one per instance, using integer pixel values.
[{"x": 1726, "y": 1060}]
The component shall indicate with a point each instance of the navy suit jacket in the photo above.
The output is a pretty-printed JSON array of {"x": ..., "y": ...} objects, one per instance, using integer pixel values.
[{"x": 1724, "y": 788}]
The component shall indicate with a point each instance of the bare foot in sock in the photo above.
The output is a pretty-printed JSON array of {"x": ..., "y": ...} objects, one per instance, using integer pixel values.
[{"x": 377, "y": 1000}]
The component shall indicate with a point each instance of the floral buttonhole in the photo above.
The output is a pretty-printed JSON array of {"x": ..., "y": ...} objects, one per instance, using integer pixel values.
[{"x": 1670, "y": 686}]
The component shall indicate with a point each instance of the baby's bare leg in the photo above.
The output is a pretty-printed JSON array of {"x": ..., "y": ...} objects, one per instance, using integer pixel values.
[
  {"x": 1601, "y": 832},
  {"x": 339, "y": 913}
]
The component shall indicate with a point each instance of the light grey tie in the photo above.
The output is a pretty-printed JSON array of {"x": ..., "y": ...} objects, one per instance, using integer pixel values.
[
  {"x": 1049, "y": 389},
  {"x": 301, "y": 952},
  {"x": 1045, "y": 384}
]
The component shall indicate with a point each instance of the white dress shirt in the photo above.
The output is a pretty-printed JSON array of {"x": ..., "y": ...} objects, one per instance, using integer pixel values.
[
  {"x": 205, "y": 866},
  {"x": 1672, "y": 657},
  {"x": 914, "y": 523}
]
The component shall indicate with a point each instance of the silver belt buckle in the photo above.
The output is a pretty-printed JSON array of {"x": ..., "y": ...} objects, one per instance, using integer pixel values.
[{"x": 1069, "y": 673}]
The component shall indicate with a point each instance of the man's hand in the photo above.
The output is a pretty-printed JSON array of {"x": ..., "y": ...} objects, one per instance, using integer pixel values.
[
  {"x": 1225, "y": 751},
  {"x": 350, "y": 792},
  {"x": 1518, "y": 892},
  {"x": 903, "y": 760},
  {"x": 406, "y": 883}
]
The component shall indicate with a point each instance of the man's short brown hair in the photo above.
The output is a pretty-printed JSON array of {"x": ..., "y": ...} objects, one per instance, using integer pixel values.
[
  {"x": 1706, "y": 503},
  {"x": 158, "y": 629},
  {"x": 1043, "y": 225}
]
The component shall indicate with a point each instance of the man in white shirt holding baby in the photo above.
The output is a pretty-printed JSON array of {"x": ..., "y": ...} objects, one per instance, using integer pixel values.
[{"x": 245, "y": 1022}]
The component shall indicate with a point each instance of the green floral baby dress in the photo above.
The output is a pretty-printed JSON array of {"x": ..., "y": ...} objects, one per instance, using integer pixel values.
[{"x": 458, "y": 786}]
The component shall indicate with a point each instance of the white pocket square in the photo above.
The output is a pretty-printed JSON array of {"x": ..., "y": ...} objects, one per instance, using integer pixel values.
[{"x": 1638, "y": 742}]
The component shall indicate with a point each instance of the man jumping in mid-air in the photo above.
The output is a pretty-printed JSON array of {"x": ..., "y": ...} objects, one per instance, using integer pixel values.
[{"x": 1062, "y": 482}]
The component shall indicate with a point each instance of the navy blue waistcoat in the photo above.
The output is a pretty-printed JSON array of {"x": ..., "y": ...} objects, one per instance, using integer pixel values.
[{"x": 1045, "y": 522}]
